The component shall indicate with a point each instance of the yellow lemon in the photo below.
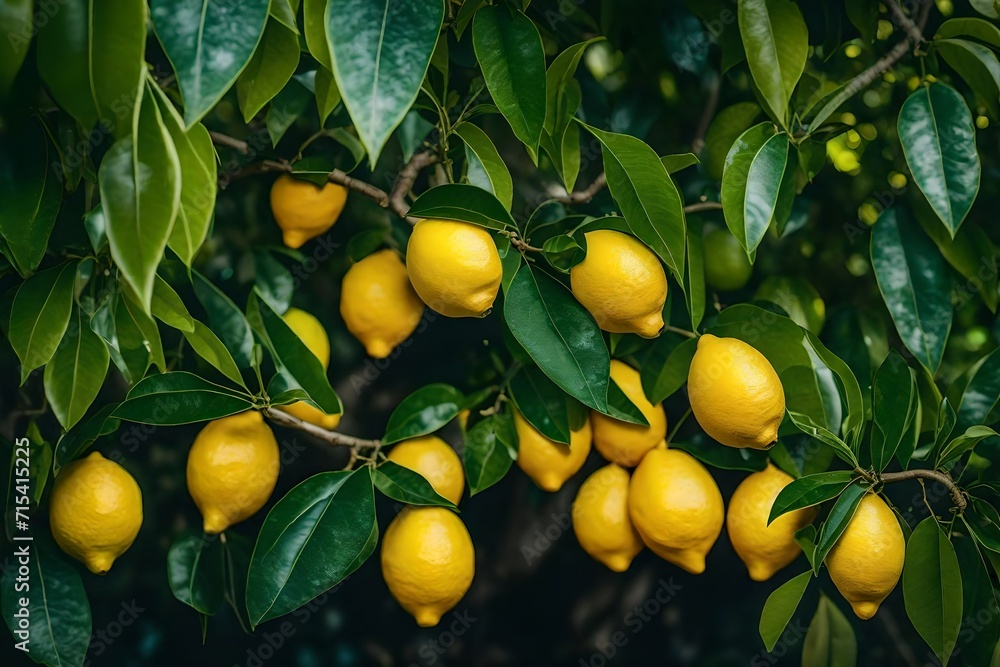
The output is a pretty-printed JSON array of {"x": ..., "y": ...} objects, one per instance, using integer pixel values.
[
  {"x": 622, "y": 283},
  {"x": 867, "y": 560},
  {"x": 232, "y": 469},
  {"x": 378, "y": 303},
  {"x": 764, "y": 549},
  {"x": 454, "y": 267},
  {"x": 304, "y": 210},
  {"x": 427, "y": 561},
  {"x": 95, "y": 511},
  {"x": 600, "y": 518},
  {"x": 676, "y": 507},
  {"x": 434, "y": 460},
  {"x": 311, "y": 332},
  {"x": 546, "y": 462},
  {"x": 735, "y": 394},
  {"x": 621, "y": 442}
]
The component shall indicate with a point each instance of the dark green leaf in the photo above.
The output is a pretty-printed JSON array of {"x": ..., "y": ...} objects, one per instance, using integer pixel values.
[
  {"x": 976, "y": 64},
  {"x": 168, "y": 307},
  {"x": 727, "y": 458},
  {"x": 694, "y": 276},
  {"x": 274, "y": 281},
  {"x": 287, "y": 106},
  {"x": 236, "y": 551},
  {"x": 810, "y": 490},
  {"x": 406, "y": 486},
  {"x": 780, "y": 607},
  {"x": 967, "y": 252},
  {"x": 864, "y": 15},
  {"x": 486, "y": 456},
  {"x": 314, "y": 537},
  {"x": 78, "y": 439},
  {"x": 314, "y": 23},
  {"x": 17, "y": 22},
  {"x": 830, "y": 641},
  {"x": 466, "y": 203},
  {"x": 327, "y": 99},
  {"x": 564, "y": 252},
  {"x": 665, "y": 369},
  {"x": 179, "y": 397},
  {"x": 984, "y": 522},
  {"x": 40, "y": 314},
  {"x": 422, "y": 412},
  {"x": 225, "y": 319},
  {"x": 675, "y": 163},
  {"x": 932, "y": 588},
  {"x": 621, "y": 407},
  {"x": 737, "y": 186},
  {"x": 805, "y": 537},
  {"x": 272, "y": 65},
  {"x": 76, "y": 372},
  {"x": 725, "y": 128},
  {"x": 976, "y": 28},
  {"x": 777, "y": 42},
  {"x": 893, "y": 394},
  {"x": 980, "y": 602},
  {"x": 964, "y": 443},
  {"x": 483, "y": 153},
  {"x": 836, "y": 522},
  {"x": 805, "y": 424},
  {"x": 981, "y": 395},
  {"x": 195, "y": 572},
  {"x": 542, "y": 404}
]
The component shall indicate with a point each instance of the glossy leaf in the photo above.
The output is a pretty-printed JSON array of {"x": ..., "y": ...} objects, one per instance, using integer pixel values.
[
  {"x": 492, "y": 165},
  {"x": 76, "y": 372},
  {"x": 327, "y": 99},
  {"x": 225, "y": 319},
  {"x": 810, "y": 490},
  {"x": 621, "y": 407},
  {"x": 195, "y": 572},
  {"x": 272, "y": 65},
  {"x": 208, "y": 42},
  {"x": 981, "y": 396},
  {"x": 315, "y": 536},
  {"x": 138, "y": 337},
  {"x": 976, "y": 28},
  {"x": 726, "y": 458},
  {"x": 78, "y": 439},
  {"x": 908, "y": 269},
  {"x": 486, "y": 456},
  {"x": 893, "y": 395},
  {"x": 406, "y": 486},
  {"x": 40, "y": 314},
  {"x": 723, "y": 132},
  {"x": 207, "y": 345},
  {"x": 978, "y": 595},
  {"x": 666, "y": 368},
  {"x": 932, "y": 588},
  {"x": 830, "y": 640},
  {"x": 939, "y": 141},
  {"x": 777, "y": 43},
  {"x": 780, "y": 607},
  {"x": 967, "y": 252},
  {"x": 805, "y": 424},
  {"x": 236, "y": 552},
  {"x": 767, "y": 196},
  {"x": 179, "y": 397},
  {"x": 976, "y": 64},
  {"x": 694, "y": 274},
  {"x": 649, "y": 200},
  {"x": 273, "y": 280},
  {"x": 381, "y": 52},
  {"x": 836, "y": 522},
  {"x": 737, "y": 188},
  {"x": 314, "y": 22},
  {"x": 509, "y": 50},
  {"x": 463, "y": 202},
  {"x": 168, "y": 307},
  {"x": 17, "y": 22},
  {"x": 542, "y": 404},
  {"x": 675, "y": 163},
  {"x": 424, "y": 411},
  {"x": 964, "y": 443},
  {"x": 559, "y": 335}
]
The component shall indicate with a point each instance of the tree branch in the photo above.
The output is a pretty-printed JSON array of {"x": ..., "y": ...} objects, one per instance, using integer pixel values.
[
  {"x": 404, "y": 182},
  {"x": 331, "y": 437},
  {"x": 913, "y": 31},
  {"x": 585, "y": 195},
  {"x": 934, "y": 475},
  {"x": 703, "y": 206}
]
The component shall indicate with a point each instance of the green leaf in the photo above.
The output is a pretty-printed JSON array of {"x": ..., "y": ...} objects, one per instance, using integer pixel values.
[
  {"x": 509, "y": 50},
  {"x": 315, "y": 536},
  {"x": 40, "y": 461},
  {"x": 30, "y": 194},
  {"x": 908, "y": 269},
  {"x": 777, "y": 43},
  {"x": 805, "y": 424},
  {"x": 650, "y": 201},
  {"x": 195, "y": 572},
  {"x": 738, "y": 189},
  {"x": 168, "y": 307},
  {"x": 694, "y": 276},
  {"x": 208, "y": 53},
  {"x": 727, "y": 458},
  {"x": 967, "y": 253},
  {"x": 723, "y": 132},
  {"x": 207, "y": 345},
  {"x": 225, "y": 319},
  {"x": 328, "y": 97},
  {"x": 621, "y": 407},
  {"x": 138, "y": 337},
  {"x": 91, "y": 55},
  {"x": 236, "y": 551},
  {"x": 17, "y": 22},
  {"x": 864, "y": 15},
  {"x": 981, "y": 396},
  {"x": 286, "y": 107},
  {"x": 558, "y": 77},
  {"x": 976, "y": 64},
  {"x": 675, "y": 163},
  {"x": 314, "y": 23},
  {"x": 381, "y": 52},
  {"x": 780, "y": 607},
  {"x": 179, "y": 397},
  {"x": 978, "y": 596},
  {"x": 40, "y": 314},
  {"x": 830, "y": 640},
  {"x": 939, "y": 142},
  {"x": 810, "y": 490},
  {"x": 76, "y": 372},
  {"x": 973, "y": 27},
  {"x": 78, "y": 439},
  {"x": 273, "y": 280},
  {"x": 424, "y": 411},
  {"x": 481, "y": 149},
  {"x": 462, "y": 202},
  {"x": 836, "y": 522},
  {"x": 963, "y": 443},
  {"x": 559, "y": 335},
  {"x": 932, "y": 588},
  {"x": 58, "y": 613},
  {"x": 768, "y": 193},
  {"x": 665, "y": 369},
  {"x": 805, "y": 537},
  {"x": 291, "y": 354},
  {"x": 893, "y": 394},
  {"x": 270, "y": 68},
  {"x": 284, "y": 12},
  {"x": 983, "y": 521},
  {"x": 542, "y": 404},
  {"x": 139, "y": 209},
  {"x": 564, "y": 252},
  {"x": 486, "y": 456},
  {"x": 407, "y": 486}
]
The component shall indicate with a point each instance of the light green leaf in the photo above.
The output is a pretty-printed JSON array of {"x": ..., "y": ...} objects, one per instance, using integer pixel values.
[
  {"x": 463, "y": 202},
  {"x": 314, "y": 22},
  {"x": 40, "y": 314},
  {"x": 780, "y": 607},
  {"x": 777, "y": 43},
  {"x": 328, "y": 96},
  {"x": 830, "y": 641},
  {"x": 486, "y": 456},
  {"x": 492, "y": 165},
  {"x": 76, "y": 372},
  {"x": 270, "y": 68},
  {"x": 737, "y": 185}
]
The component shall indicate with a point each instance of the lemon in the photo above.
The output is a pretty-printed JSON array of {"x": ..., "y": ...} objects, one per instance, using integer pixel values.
[
  {"x": 304, "y": 210},
  {"x": 735, "y": 394},
  {"x": 621, "y": 442},
  {"x": 232, "y": 469},
  {"x": 676, "y": 507},
  {"x": 378, "y": 303},
  {"x": 95, "y": 511},
  {"x": 549, "y": 464},
  {"x": 427, "y": 561},
  {"x": 311, "y": 332},
  {"x": 434, "y": 460},
  {"x": 726, "y": 265},
  {"x": 867, "y": 560},
  {"x": 622, "y": 283},
  {"x": 798, "y": 298},
  {"x": 454, "y": 267},
  {"x": 764, "y": 549},
  {"x": 600, "y": 518}
]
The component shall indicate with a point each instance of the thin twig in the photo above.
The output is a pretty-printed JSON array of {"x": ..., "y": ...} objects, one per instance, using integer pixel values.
[
  {"x": 903, "y": 21},
  {"x": 585, "y": 195},
  {"x": 404, "y": 182},
  {"x": 703, "y": 206},
  {"x": 522, "y": 246},
  {"x": 677, "y": 426},
  {"x": 332, "y": 437},
  {"x": 219, "y": 139},
  {"x": 678, "y": 330},
  {"x": 934, "y": 475}
]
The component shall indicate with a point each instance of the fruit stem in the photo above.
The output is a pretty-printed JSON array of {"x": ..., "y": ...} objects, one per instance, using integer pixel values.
[
  {"x": 332, "y": 437},
  {"x": 678, "y": 330},
  {"x": 677, "y": 426},
  {"x": 934, "y": 475}
]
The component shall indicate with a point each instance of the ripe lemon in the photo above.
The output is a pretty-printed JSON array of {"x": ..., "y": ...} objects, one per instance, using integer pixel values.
[
  {"x": 676, "y": 507},
  {"x": 304, "y": 210},
  {"x": 546, "y": 462},
  {"x": 621, "y": 442},
  {"x": 427, "y": 561},
  {"x": 798, "y": 298},
  {"x": 600, "y": 518},
  {"x": 867, "y": 560},
  {"x": 454, "y": 267},
  {"x": 378, "y": 303},
  {"x": 735, "y": 394},
  {"x": 434, "y": 460},
  {"x": 622, "y": 283},
  {"x": 311, "y": 332},
  {"x": 764, "y": 549},
  {"x": 95, "y": 511},
  {"x": 232, "y": 469},
  {"x": 726, "y": 265}
]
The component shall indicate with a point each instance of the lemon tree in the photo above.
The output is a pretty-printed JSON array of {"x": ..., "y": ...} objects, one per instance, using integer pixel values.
[{"x": 693, "y": 267}]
